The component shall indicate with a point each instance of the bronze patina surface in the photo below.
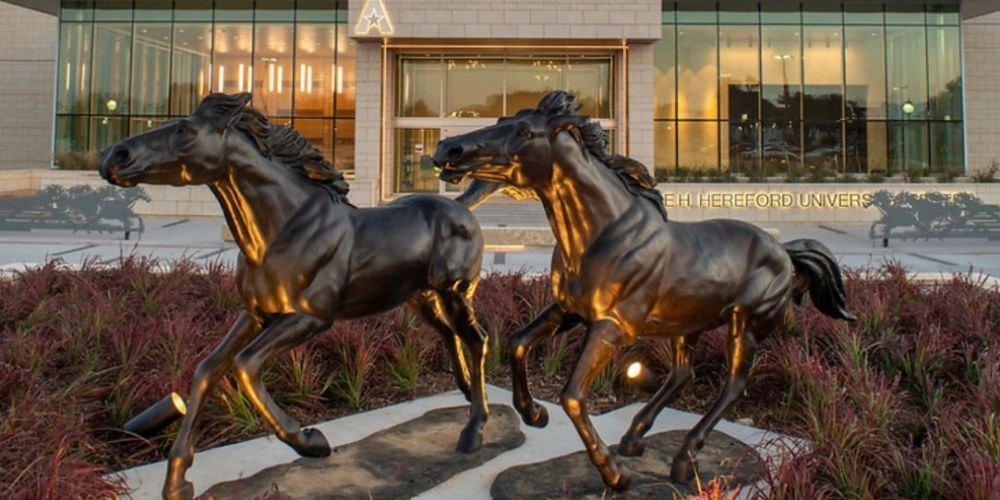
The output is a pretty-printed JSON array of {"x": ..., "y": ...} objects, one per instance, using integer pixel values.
[
  {"x": 625, "y": 272},
  {"x": 399, "y": 462},
  {"x": 308, "y": 257}
]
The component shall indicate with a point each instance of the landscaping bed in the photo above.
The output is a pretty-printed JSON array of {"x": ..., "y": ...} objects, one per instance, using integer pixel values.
[{"x": 903, "y": 403}]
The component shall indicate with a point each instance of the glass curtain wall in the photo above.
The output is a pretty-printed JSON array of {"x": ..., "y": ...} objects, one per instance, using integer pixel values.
[
  {"x": 124, "y": 69},
  {"x": 784, "y": 89}
]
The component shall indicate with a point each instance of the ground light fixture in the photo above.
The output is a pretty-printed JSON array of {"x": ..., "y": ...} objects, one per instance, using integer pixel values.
[
  {"x": 641, "y": 377},
  {"x": 157, "y": 417}
]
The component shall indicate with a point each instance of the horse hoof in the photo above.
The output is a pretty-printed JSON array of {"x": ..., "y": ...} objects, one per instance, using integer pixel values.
[
  {"x": 316, "y": 444},
  {"x": 682, "y": 471},
  {"x": 470, "y": 441},
  {"x": 184, "y": 491},
  {"x": 631, "y": 448},
  {"x": 538, "y": 416},
  {"x": 622, "y": 482}
]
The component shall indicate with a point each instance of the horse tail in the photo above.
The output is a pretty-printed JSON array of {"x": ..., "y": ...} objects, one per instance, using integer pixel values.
[
  {"x": 817, "y": 271},
  {"x": 477, "y": 193}
]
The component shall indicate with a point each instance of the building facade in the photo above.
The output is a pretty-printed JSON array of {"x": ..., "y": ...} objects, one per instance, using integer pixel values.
[{"x": 690, "y": 88}]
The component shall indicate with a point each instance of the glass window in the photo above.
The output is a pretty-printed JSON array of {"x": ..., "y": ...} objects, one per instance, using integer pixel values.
[
  {"x": 738, "y": 13},
  {"x": 908, "y": 148},
  {"x": 191, "y": 77},
  {"x": 530, "y": 79},
  {"x": 151, "y": 61},
  {"x": 76, "y": 11},
  {"x": 822, "y": 13},
  {"x": 275, "y": 71},
  {"x": 698, "y": 75},
  {"x": 780, "y": 13},
  {"x": 154, "y": 10},
  {"x": 192, "y": 10},
  {"x": 346, "y": 72},
  {"x": 415, "y": 149},
  {"x": 420, "y": 87},
  {"x": 864, "y": 52},
  {"x": 71, "y": 141},
  {"x": 275, "y": 10},
  {"x": 112, "y": 60},
  {"x": 316, "y": 48},
  {"x": 782, "y": 68},
  {"x": 943, "y": 15},
  {"x": 947, "y": 147},
  {"x": 822, "y": 65},
  {"x": 665, "y": 74},
  {"x": 140, "y": 125},
  {"x": 739, "y": 73},
  {"x": 589, "y": 79},
  {"x": 863, "y": 13},
  {"x": 233, "y": 10},
  {"x": 698, "y": 145},
  {"x": 113, "y": 10},
  {"x": 741, "y": 140},
  {"x": 824, "y": 145},
  {"x": 867, "y": 147},
  {"x": 106, "y": 130},
  {"x": 781, "y": 145},
  {"x": 473, "y": 87},
  {"x": 319, "y": 133},
  {"x": 906, "y": 62},
  {"x": 316, "y": 11},
  {"x": 944, "y": 57},
  {"x": 664, "y": 148},
  {"x": 74, "y": 61},
  {"x": 905, "y": 14},
  {"x": 343, "y": 151},
  {"x": 696, "y": 12},
  {"x": 233, "y": 44}
]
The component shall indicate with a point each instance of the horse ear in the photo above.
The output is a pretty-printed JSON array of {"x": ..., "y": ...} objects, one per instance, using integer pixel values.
[{"x": 220, "y": 110}]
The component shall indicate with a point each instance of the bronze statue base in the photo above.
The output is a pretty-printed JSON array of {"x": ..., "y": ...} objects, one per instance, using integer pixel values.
[
  {"x": 572, "y": 476},
  {"x": 399, "y": 462}
]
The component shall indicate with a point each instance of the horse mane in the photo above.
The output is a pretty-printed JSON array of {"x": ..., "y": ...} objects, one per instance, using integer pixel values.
[
  {"x": 284, "y": 145},
  {"x": 561, "y": 106}
]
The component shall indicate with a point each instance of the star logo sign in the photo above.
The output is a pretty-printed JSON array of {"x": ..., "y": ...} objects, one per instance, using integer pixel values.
[{"x": 373, "y": 17}]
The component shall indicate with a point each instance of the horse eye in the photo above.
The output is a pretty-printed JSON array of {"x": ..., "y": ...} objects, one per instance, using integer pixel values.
[{"x": 524, "y": 132}]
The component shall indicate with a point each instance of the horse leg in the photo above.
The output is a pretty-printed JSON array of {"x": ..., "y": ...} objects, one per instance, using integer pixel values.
[
  {"x": 458, "y": 304},
  {"x": 429, "y": 306},
  {"x": 206, "y": 376},
  {"x": 551, "y": 320},
  {"x": 282, "y": 334},
  {"x": 631, "y": 443},
  {"x": 603, "y": 339},
  {"x": 740, "y": 352}
]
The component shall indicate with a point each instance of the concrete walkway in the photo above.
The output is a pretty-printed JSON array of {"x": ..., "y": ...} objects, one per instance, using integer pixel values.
[{"x": 559, "y": 438}]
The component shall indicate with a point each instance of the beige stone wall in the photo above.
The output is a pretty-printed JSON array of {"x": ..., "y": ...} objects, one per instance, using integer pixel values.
[
  {"x": 27, "y": 67},
  {"x": 981, "y": 37},
  {"x": 640, "y": 103}
]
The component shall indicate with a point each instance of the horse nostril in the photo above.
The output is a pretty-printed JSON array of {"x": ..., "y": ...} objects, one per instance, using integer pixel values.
[
  {"x": 455, "y": 152},
  {"x": 120, "y": 157}
]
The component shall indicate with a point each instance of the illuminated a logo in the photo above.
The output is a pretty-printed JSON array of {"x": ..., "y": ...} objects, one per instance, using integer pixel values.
[{"x": 373, "y": 16}]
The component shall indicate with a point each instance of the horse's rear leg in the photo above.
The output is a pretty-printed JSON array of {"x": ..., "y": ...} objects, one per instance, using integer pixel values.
[
  {"x": 206, "y": 376},
  {"x": 740, "y": 352},
  {"x": 280, "y": 335},
  {"x": 458, "y": 304},
  {"x": 429, "y": 306},
  {"x": 680, "y": 373}
]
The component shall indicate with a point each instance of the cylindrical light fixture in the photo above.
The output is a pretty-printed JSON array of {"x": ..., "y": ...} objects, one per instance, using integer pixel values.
[
  {"x": 641, "y": 377},
  {"x": 157, "y": 417}
]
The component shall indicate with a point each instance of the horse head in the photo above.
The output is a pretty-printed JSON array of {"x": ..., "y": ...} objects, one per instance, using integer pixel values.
[{"x": 181, "y": 152}]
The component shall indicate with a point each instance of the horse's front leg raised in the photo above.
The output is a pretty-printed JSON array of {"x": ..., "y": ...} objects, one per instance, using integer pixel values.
[
  {"x": 280, "y": 335},
  {"x": 603, "y": 340},
  {"x": 550, "y": 321},
  {"x": 206, "y": 376}
]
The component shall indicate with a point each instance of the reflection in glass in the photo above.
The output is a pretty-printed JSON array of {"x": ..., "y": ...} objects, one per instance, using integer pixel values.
[
  {"x": 275, "y": 72},
  {"x": 780, "y": 146},
  {"x": 345, "y": 83},
  {"x": 590, "y": 81},
  {"x": 823, "y": 70},
  {"x": 233, "y": 68},
  {"x": 319, "y": 133},
  {"x": 113, "y": 10},
  {"x": 344, "y": 146},
  {"x": 140, "y": 125},
  {"x": 738, "y": 13},
  {"x": 904, "y": 14},
  {"x": 698, "y": 78},
  {"x": 665, "y": 74},
  {"x": 947, "y": 147},
  {"x": 315, "y": 48},
  {"x": 782, "y": 66},
  {"x": 414, "y": 170},
  {"x": 698, "y": 145},
  {"x": 233, "y": 10},
  {"x": 275, "y": 10},
  {"x": 76, "y": 11},
  {"x": 473, "y": 87},
  {"x": 944, "y": 73},
  {"x": 664, "y": 148},
  {"x": 741, "y": 139},
  {"x": 906, "y": 60},
  {"x": 822, "y": 12},
  {"x": 112, "y": 51},
  {"x": 739, "y": 73},
  {"x": 153, "y": 10},
  {"x": 908, "y": 147},
  {"x": 151, "y": 59},
  {"x": 780, "y": 13},
  {"x": 863, "y": 13},
  {"x": 70, "y": 141},
  {"x": 420, "y": 87},
  {"x": 864, "y": 52},
  {"x": 74, "y": 62},
  {"x": 530, "y": 79},
  {"x": 191, "y": 78},
  {"x": 824, "y": 145},
  {"x": 192, "y": 10},
  {"x": 867, "y": 147},
  {"x": 106, "y": 130}
]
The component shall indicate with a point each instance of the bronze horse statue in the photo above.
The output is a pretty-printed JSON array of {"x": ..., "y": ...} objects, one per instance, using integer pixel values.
[
  {"x": 308, "y": 258},
  {"x": 620, "y": 268}
]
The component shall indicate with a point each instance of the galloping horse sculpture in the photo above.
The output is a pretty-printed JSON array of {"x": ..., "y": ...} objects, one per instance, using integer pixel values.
[
  {"x": 624, "y": 271},
  {"x": 308, "y": 257}
]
